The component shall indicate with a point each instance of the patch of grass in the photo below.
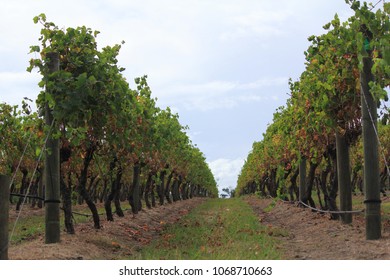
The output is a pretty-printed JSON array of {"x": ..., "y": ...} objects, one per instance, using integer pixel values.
[
  {"x": 32, "y": 227},
  {"x": 386, "y": 210},
  {"x": 27, "y": 229},
  {"x": 217, "y": 229},
  {"x": 270, "y": 207},
  {"x": 277, "y": 232}
]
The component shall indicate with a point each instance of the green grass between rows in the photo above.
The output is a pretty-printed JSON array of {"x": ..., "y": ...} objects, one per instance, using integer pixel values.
[
  {"x": 386, "y": 210},
  {"x": 31, "y": 227},
  {"x": 217, "y": 229}
]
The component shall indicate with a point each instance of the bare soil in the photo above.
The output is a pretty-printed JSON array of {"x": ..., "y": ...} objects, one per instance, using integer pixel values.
[
  {"x": 121, "y": 239},
  {"x": 300, "y": 234},
  {"x": 305, "y": 235}
]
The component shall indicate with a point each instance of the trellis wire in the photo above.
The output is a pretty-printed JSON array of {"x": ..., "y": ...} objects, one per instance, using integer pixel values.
[
  {"x": 324, "y": 211},
  {"x": 20, "y": 160},
  {"x": 29, "y": 186},
  {"x": 331, "y": 212}
]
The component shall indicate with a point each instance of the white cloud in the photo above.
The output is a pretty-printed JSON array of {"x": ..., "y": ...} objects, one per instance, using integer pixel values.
[
  {"x": 17, "y": 77},
  {"x": 256, "y": 23},
  {"x": 218, "y": 86},
  {"x": 14, "y": 86},
  {"x": 265, "y": 82},
  {"x": 226, "y": 171},
  {"x": 209, "y": 103},
  {"x": 221, "y": 94},
  {"x": 193, "y": 135},
  {"x": 213, "y": 87}
]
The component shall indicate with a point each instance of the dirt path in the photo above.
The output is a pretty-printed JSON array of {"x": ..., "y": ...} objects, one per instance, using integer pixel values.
[
  {"x": 307, "y": 235},
  {"x": 121, "y": 239},
  {"x": 302, "y": 235}
]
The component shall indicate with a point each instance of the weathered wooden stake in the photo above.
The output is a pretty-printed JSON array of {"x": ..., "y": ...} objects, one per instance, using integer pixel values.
[
  {"x": 302, "y": 179},
  {"x": 370, "y": 148},
  {"x": 344, "y": 177},
  {"x": 52, "y": 172},
  {"x": 40, "y": 188},
  {"x": 4, "y": 212}
]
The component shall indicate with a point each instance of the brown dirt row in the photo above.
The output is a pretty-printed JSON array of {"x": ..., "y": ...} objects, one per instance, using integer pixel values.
[
  {"x": 301, "y": 234},
  {"x": 121, "y": 239},
  {"x": 304, "y": 234}
]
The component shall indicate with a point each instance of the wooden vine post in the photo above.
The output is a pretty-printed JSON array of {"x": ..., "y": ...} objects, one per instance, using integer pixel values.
[
  {"x": 52, "y": 171},
  {"x": 302, "y": 179},
  {"x": 344, "y": 177},
  {"x": 40, "y": 189},
  {"x": 4, "y": 212},
  {"x": 370, "y": 148}
]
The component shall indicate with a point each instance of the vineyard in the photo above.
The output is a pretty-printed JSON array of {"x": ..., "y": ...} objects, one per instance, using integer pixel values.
[
  {"x": 325, "y": 140},
  {"x": 121, "y": 178},
  {"x": 103, "y": 141}
]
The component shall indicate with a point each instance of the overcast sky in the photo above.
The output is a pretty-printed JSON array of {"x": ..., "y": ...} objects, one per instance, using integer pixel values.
[{"x": 222, "y": 65}]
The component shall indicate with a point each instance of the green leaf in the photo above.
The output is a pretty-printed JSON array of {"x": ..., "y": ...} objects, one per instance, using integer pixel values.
[
  {"x": 92, "y": 80},
  {"x": 34, "y": 49},
  {"x": 82, "y": 79},
  {"x": 325, "y": 98},
  {"x": 38, "y": 151}
]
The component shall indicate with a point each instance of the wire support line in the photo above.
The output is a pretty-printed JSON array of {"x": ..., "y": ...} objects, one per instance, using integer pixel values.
[
  {"x": 374, "y": 6},
  {"x": 20, "y": 160},
  {"x": 331, "y": 212},
  {"x": 30, "y": 184},
  {"x": 27, "y": 196},
  {"x": 90, "y": 215}
]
